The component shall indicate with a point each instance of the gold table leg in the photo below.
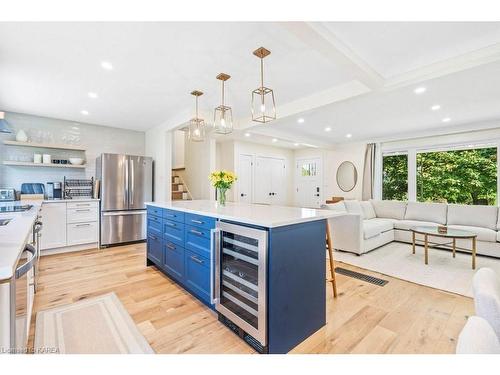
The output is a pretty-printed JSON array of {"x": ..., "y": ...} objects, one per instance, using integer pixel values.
[
  {"x": 413, "y": 242},
  {"x": 454, "y": 247},
  {"x": 426, "y": 246},
  {"x": 473, "y": 253}
]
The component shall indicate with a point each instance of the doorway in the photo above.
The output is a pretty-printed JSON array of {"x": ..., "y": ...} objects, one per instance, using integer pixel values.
[{"x": 309, "y": 182}]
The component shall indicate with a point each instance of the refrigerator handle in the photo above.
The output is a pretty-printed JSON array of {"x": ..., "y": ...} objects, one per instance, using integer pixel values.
[
  {"x": 126, "y": 196},
  {"x": 131, "y": 183}
]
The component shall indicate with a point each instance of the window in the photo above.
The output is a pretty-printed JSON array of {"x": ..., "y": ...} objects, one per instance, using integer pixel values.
[
  {"x": 395, "y": 177},
  {"x": 309, "y": 170},
  {"x": 457, "y": 176}
]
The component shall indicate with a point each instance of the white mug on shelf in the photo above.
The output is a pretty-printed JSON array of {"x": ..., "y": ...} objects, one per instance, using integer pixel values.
[
  {"x": 37, "y": 158},
  {"x": 47, "y": 159}
]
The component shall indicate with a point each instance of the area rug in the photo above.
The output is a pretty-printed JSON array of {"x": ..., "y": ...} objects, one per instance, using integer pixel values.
[
  {"x": 98, "y": 325},
  {"x": 443, "y": 271}
]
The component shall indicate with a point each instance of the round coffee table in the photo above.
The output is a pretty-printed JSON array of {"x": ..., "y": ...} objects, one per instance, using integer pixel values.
[{"x": 452, "y": 234}]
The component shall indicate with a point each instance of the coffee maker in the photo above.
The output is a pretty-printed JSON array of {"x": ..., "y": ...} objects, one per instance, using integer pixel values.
[{"x": 54, "y": 190}]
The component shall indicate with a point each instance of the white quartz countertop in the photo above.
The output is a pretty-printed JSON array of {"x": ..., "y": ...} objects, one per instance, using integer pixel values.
[
  {"x": 71, "y": 200},
  {"x": 254, "y": 214},
  {"x": 14, "y": 236}
]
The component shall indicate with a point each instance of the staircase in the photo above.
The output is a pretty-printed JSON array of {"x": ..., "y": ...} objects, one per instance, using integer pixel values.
[{"x": 180, "y": 190}]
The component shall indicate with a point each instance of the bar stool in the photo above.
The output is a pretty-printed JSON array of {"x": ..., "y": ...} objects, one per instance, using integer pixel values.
[{"x": 329, "y": 245}]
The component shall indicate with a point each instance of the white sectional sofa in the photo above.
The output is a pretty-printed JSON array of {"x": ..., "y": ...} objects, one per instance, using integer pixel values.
[{"x": 371, "y": 224}]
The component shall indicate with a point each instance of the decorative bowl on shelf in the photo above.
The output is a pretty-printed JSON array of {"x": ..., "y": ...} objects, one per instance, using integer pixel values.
[{"x": 76, "y": 161}]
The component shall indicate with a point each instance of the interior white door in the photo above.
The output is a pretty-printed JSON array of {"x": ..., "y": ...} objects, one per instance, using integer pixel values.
[
  {"x": 245, "y": 180},
  {"x": 262, "y": 181},
  {"x": 309, "y": 182},
  {"x": 278, "y": 181}
]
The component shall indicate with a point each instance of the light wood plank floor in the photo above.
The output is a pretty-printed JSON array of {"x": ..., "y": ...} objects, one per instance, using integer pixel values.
[{"x": 400, "y": 317}]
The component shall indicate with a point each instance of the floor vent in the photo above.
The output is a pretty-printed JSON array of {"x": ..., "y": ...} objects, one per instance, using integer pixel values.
[{"x": 360, "y": 276}]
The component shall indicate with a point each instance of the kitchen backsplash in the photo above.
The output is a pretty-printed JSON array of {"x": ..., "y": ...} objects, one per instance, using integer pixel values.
[{"x": 94, "y": 138}]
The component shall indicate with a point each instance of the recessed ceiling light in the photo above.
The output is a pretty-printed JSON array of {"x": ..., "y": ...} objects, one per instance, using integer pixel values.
[
  {"x": 446, "y": 119},
  {"x": 92, "y": 95},
  {"x": 84, "y": 112},
  {"x": 349, "y": 135},
  {"x": 300, "y": 120},
  {"x": 274, "y": 140},
  {"x": 247, "y": 134},
  {"x": 107, "y": 65},
  {"x": 296, "y": 144},
  {"x": 420, "y": 90},
  {"x": 328, "y": 129},
  {"x": 436, "y": 107}
]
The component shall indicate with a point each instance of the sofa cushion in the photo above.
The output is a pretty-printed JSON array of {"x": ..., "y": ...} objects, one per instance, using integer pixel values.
[
  {"x": 368, "y": 211},
  {"x": 476, "y": 216},
  {"x": 412, "y": 224},
  {"x": 373, "y": 227},
  {"x": 337, "y": 207},
  {"x": 483, "y": 234},
  {"x": 431, "y": 212},
  {"x": 353, "y": 207},
  {"x": 389, "y": 209}
]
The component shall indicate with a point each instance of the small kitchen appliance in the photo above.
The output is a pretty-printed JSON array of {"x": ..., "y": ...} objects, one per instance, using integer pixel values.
[
  {"x": 54, "y": 190},
  {"x": 7, "y": 195}
]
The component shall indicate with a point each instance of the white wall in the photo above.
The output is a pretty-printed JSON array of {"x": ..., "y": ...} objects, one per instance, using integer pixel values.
[
  {"x": 159, "y": 146},
  {"x": 178, "y": 149},
  {"x": 224, "y": 160},
  {"x": 200, "y": 161},
  {"x": 94, "y": 138}
]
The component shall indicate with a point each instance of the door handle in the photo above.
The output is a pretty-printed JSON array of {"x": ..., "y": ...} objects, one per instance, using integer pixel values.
[
  {"x": 214, "y": 265},
  {"x": 83, "y": 210},
  {"x": 22, "y": 270},
  {"x": 196, "y": 232},
  {"x": 243, "y": 195},
  {"x": 171, "y": 224},
  {"x": 170, "y": 246},
  {"x": 196, "y": 221},
  {"x": 83, "y": 225},
  {"x": 196, "y": 259}
]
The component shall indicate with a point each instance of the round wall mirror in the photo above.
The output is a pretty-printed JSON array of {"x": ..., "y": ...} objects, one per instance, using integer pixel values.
[{"x": 347, "y": 176}]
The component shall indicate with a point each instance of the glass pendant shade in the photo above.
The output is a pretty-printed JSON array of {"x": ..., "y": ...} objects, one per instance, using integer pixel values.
[
  {"x": 196, "y": 124},
  {"x": 263, "y": 103},
  {"x": 223, "y": 114}
]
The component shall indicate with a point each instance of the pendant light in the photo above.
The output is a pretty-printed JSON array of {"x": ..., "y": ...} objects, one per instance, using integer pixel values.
[
  {"x": 223, "y": 115},
  {"x": 196, "y": 124},
  {"x": 263, "y": 105}
]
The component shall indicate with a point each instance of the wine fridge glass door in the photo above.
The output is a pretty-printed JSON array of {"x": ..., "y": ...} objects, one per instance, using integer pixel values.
[{"x": 242, "y": 278}]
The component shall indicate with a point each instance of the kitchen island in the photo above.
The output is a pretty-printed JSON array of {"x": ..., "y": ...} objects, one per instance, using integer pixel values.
[{"x": 262, "y": 268}]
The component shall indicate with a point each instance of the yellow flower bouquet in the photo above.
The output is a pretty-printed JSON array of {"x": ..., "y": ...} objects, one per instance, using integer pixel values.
[{"x": 222, "y": 181}]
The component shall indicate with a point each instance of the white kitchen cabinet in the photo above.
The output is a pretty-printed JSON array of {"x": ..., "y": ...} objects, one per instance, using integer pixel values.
[
  {"x": 81, "y": 215},
  {"x": 82, "y": 233},
  {"x": 54, "y": 225}
]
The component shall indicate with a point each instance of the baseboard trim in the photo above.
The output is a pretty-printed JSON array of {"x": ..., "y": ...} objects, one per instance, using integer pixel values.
[{"x": 70, "y": 249}]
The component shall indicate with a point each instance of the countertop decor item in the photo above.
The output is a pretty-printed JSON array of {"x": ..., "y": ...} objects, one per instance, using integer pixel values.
[
  {"x": 76, "y": 161},
  {"x": 37, "y": 158},
  {"x": 4, "y": 125},
  {"x": 21, "y": 136},
  {"x": 263, "y": 104},
  {"x": 222, "y": 181},
  {"x": 196, "y": 124},
  {"x": 47, "y": 159},
  {"x": 223, "y": 114}
]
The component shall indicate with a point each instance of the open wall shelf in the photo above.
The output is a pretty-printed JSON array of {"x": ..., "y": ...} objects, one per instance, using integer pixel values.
[
  {"x": 58, "y": 146},
  {"x": 41, "y": 165}
]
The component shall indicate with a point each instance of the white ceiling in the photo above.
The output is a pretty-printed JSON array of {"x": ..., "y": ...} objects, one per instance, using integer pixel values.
[{"x": 356, "y": 78}]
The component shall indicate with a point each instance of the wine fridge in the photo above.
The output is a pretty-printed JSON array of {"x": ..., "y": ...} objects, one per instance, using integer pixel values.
[{"x": 240, "y": 281}]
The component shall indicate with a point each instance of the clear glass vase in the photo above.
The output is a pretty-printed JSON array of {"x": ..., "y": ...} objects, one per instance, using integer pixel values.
[{"x": 221, "y": 196}]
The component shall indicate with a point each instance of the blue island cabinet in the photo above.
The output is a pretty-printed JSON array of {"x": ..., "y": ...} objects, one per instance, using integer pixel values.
[{"x": 179, "y": 244}]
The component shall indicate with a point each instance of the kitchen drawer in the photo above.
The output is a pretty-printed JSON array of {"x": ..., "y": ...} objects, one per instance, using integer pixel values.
[
  {"x": 155, "y": 225},
  {"x": 200, "y": 221},
  {"x": 173, "y": 260},
  {"x": 173, "y": 215},
  {"x": 173, "y": 231},
  {"x": 79, "y": 215},
  {"x": 85, "y": 204},
  {"x": 154, "y": 249},
  {"x": 198, "y": 240},
  {"x": 81, "y": 233},
  {"x": 197, "y": 275},
  {"x": 156, "y": 211}
]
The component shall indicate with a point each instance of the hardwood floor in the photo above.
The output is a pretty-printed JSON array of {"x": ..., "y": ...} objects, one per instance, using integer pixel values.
[{"x": 400, "y": 317}]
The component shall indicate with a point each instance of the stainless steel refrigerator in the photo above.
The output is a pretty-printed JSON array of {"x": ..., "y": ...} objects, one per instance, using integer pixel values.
[{"x": 126, "y": 183}]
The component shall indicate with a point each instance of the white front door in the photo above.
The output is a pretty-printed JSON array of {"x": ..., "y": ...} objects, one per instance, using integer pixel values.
[
  {"x": 244, "y": 182},
  {"x": 309, "y": 182}
]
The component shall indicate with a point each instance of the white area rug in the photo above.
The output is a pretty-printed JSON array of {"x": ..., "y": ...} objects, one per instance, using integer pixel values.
[
  {"x": 99, "y": 325},
  {"x": 443, "y": 271}
]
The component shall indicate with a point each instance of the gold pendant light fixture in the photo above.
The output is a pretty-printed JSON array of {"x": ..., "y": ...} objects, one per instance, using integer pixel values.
[
  {"x": 223, "y": 115},
  {"x": 263, "y": 105},
  {"x": 196, "y": 124}
]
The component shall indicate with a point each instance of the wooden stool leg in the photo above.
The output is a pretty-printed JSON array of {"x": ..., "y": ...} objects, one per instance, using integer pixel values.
[{"x": 330, "y": 257}]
